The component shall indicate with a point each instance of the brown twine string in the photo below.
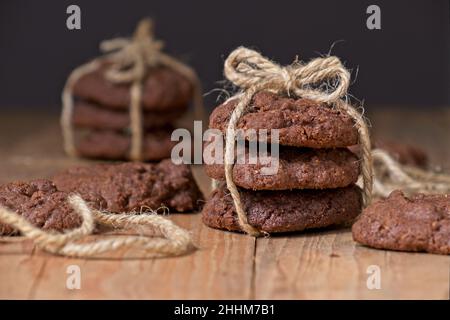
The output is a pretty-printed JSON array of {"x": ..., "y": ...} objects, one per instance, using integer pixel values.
[
  {"x": 391, "y": 175},
  {"x": 167, "y": 238},
  {"x": 252, "y": 72},
  {"x": 129, "y": 60}
]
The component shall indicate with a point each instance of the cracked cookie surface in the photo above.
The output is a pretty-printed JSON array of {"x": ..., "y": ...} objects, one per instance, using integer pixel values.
[
  {"x": 284, "y": 211},
  {"x": 298, "y": 168},
  {"x": 417, "y": 223},
  {"x": 131, "y": 186},
  {"x": 40, "y": 203},
  {"x": 301, "y": 122}
]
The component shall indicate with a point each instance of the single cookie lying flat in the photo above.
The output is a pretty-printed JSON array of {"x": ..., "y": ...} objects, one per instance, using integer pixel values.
[
  {"x": 298, "y": 168},
  {"x": 40, "y": 203},
  {"x": 90, "y": 115},
  {"x": 112, "y": 145},
  {"x": 163, "y": 89},
  {"x": 301, "y": 122},
  {"x": 418, "y": 223},
  {"x": 131, "y": 186},
  {"x": 284, "y": 211}
]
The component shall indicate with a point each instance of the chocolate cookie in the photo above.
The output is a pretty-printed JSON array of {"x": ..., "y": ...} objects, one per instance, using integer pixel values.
[
  {"x": 114, "y": 145},
  {"x": 90, "y": 115},
  {"x": 131, "y": 186},
  {"x": 284, "y": 211},
  {"x": 418, "y": 223},
  {"x": 298, "y": 168},
  {"x": 40, "y": 203},
  {"x": 163, "y": 89},
  {"x": 301, "y": 122}
]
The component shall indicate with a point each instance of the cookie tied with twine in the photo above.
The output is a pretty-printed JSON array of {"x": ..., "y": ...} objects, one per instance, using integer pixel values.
[
  {"x": 251, "y": 72},
  {"x": 129, "y": 60},
  {"x": 166, "y": 238}
]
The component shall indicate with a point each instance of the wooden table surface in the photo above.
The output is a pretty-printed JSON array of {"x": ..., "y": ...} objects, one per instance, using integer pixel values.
[{"x": 311, "y": 265}]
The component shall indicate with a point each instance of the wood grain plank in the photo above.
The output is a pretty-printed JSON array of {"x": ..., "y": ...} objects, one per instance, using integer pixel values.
[
  {"x": 221, "y": 268},
  {"x": 20, "y": 268},
  {"x": 320, "y": 264},
  {"x": 317, "y": 265},
  {"x": 329, "y": 265}
]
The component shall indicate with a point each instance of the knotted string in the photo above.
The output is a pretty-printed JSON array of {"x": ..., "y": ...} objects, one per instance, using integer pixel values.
[
  {"x": 167, "y": 239},
  {"x": 390, "y": 175},
  {"x": 251, "y": 72},
  {"x": 128, "y": 61}
]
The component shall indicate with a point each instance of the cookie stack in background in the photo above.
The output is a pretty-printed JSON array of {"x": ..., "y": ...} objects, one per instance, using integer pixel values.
[
  {"x": 102, "y": 109},
  {"x": 314, "y": 186}
]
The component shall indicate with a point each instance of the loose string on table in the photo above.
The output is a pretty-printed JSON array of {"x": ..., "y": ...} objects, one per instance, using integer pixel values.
[
  {"x": 390, "y": 175},
  {"x": 165, "y": 239}
]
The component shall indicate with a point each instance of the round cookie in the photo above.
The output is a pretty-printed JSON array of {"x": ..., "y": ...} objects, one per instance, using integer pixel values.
[
  {"x": 301, "y": 122},
  {"x": 418, "y": 223},
  {"x": 298, "y": 168},
  {"x": 113, "y": 145},
  {"x": 163, "y": 89},
  {"x": 284, "y": 211},
  {"x": 40, "y": 203},
  {"x": 93, "y": 116},
  {"x": 130, "y": 186}
]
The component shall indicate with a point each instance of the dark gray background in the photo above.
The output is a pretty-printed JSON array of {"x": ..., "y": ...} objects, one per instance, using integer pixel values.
[{"x": 406, "y": 63}]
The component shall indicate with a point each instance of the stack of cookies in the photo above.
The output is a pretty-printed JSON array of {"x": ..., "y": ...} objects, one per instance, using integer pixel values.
[
  {"x": 314, "y": 186},
  {"x": 102, "y": 109}
]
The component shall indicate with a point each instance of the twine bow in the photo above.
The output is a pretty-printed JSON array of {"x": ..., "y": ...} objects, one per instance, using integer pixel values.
[
  {"x": 128, "y": 61},
  {"x": 248, "y": 69},
  {"x": 167, "y": 239},
  {"x": 130, "y": 57},
  {"x": 323, "y": 79}
]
